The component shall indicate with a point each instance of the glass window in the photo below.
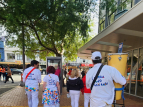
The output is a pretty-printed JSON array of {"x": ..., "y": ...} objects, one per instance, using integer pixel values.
[
  {"x": 19, "y": 57},
  {"x": 127, "y": 76},
  {"x": 134, "y": 71},
  {"x": 140, "y": 75},
  {"x": 111, "y": 18},
  {"x": 10, "y": 56}
]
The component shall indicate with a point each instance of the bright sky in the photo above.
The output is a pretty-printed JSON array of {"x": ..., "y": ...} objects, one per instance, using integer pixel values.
[{"x": 95, "y": 20}]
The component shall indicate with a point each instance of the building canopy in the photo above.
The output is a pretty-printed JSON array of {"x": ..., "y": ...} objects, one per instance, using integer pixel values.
[{"x": 127, "y": 29}]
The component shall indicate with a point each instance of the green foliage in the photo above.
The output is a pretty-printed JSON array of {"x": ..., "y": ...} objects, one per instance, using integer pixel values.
[{"x": 52, "y": 27}]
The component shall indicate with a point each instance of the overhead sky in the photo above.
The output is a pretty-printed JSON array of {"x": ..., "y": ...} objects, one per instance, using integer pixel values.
[{"x": 95, "y": 18}]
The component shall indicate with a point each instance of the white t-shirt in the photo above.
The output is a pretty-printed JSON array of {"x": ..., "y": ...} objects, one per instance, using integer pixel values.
[
  {"x": 103, "y": 89},
  {"x": 33, "y": 79},
  {"x": 51, "y": 80}
]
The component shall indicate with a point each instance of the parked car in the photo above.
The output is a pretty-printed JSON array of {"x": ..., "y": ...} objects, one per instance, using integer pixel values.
[{"x": 16, "y": 71}]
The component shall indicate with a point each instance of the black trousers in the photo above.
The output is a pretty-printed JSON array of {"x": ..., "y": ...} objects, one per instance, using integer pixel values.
[
  {"x": 4, "y": 75},
  {"x": 7, "y": 77},
  {"x": 0, "y": 74}
]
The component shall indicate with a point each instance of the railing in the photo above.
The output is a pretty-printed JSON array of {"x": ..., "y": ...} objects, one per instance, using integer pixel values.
[{"x": 113, "y": 12}]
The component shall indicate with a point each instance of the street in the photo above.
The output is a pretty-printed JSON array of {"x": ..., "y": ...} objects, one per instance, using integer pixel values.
[{"x": 9, "y": 85}]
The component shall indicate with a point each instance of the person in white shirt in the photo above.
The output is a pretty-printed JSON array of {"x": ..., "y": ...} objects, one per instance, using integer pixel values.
[
  {"x": 31, "y": 83},
  {"x": 102, "y": 94},
  {"x": 51, "y": 89}
]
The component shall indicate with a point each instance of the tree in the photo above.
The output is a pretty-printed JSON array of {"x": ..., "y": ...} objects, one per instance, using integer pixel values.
[{"x": 52, "y": 27}]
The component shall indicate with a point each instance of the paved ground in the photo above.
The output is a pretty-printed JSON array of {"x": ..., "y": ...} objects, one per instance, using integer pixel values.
[
  {"x": 4, "y": 87},
  {"x": 16, "y": 97},
  {"x": 7, "y": 86}
]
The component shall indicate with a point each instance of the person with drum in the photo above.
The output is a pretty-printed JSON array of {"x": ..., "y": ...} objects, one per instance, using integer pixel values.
[
  {"x": 100, "y": 80},
  {"x": 31, "y": 77}
]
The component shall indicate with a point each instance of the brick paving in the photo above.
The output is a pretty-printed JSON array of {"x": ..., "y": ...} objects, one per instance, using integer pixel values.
[{"x": 17, "y": 98}]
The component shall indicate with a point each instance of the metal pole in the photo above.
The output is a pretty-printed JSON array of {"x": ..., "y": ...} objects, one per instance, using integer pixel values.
[{"x": 136, "y": 84}]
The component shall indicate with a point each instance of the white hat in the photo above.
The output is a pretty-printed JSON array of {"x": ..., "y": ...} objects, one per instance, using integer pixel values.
[{"x": 96, "y": 54}]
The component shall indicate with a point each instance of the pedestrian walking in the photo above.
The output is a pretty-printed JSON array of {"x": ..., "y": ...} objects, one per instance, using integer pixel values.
[
  {"x": 83, "y": 73},
  {"x": 65, "y": 78},
  {"x": 31, "y": 77},
  {"x": 0, "y": 72},
  {"x": 85, "y": 91},
  {"x": 102, "y": 90},
  {"x": 51, "y": 89},
  {"x": 74, "y": 84},
  {"x": 28, "y": 65},
  {"x": 8, "y": 75},
  {"x": 4, "y": 73}
]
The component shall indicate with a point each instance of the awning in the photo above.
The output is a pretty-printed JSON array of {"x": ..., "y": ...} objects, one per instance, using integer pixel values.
[
  {"x": 9, "y": 63},
  {"x": 87, "y": 65},
  {"x": 127, "y": 29}
]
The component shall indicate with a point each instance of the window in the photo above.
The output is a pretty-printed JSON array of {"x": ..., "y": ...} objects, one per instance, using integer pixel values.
[
  {"x": 19, "y": 57},
  {"x": 28, "y": 59},
  {"x": 10, "y": 56}
]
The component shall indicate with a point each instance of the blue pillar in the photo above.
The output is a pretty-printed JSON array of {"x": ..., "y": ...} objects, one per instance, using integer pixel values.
[{"x": 2, "y": 57}]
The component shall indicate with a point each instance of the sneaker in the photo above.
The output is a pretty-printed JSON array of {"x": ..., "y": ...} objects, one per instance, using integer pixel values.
[{"x": 12, "y": 82}]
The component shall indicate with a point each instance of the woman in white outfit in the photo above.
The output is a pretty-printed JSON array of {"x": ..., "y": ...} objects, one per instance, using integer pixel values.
[
  {"x": 74, "y": 84},
  {"x": 51, "y": 89}
]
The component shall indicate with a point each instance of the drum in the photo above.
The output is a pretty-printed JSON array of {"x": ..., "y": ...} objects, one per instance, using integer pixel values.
[{"x": 119, "y": 61}]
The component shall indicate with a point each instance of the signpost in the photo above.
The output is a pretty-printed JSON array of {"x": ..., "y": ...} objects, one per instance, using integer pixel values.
[{"x": 120, "y": 48}]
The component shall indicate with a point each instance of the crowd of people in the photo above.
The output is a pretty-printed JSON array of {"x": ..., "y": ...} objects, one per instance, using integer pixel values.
[
  {"x": 5, "y": 72},
  {"x": 96, "y": 84}
]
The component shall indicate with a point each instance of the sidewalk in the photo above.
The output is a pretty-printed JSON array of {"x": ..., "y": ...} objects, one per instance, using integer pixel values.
[{"x": 17, "y": 98}]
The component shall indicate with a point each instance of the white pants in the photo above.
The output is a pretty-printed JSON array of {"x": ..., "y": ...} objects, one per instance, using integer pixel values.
[
  {"x": 86, "y": 99},
  {"x": 98, "y": 103},
  {"x": 57, "y": 105},
  {"x": 108, "y": 106},
  {"x": 74, "y": 97},
  {"x": 32, "y": 98}
]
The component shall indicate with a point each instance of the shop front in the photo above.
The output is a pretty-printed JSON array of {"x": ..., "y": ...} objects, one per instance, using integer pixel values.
[
  {"x": 127, "y": 29},
  {"x": 134, "y": 73}
]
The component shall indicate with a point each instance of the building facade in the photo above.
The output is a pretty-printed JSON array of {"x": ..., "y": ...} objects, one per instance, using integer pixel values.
[
  {"x": 121, "y": 21},
  {"x": 110, "y": 11}
]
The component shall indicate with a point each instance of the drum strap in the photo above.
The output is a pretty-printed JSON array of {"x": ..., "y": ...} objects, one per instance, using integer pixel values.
[{"x": 95, "y": 78}]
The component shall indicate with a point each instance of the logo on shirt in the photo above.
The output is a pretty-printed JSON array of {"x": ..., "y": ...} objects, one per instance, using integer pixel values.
[
  {"x": 51, "y": 82},
  {"x": 99, "y": 81}
]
